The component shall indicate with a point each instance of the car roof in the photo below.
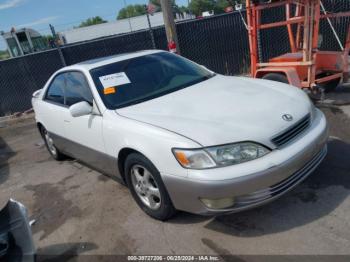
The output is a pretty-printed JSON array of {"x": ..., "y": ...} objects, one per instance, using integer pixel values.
[{"x": 94, "y": 63}]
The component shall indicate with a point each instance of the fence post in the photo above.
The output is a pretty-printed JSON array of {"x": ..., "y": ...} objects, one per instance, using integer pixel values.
[
  {"x": 58, "y": 46},
  {"x": 150, "y": 28}
]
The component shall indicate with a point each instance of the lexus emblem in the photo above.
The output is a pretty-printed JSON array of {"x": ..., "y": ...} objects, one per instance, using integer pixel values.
[{"x": 287, "y": 117}]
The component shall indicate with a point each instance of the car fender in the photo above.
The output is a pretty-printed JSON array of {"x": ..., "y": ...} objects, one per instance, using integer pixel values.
[{"x": 153, "y": 142}]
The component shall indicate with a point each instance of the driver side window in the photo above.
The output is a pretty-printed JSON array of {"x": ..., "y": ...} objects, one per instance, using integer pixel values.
[
  {"x": 55, "y": 91},
  {"x": 77, "y": 89}
]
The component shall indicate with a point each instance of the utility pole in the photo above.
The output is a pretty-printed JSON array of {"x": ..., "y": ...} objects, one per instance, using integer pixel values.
[{"x": 170, "y": 28}]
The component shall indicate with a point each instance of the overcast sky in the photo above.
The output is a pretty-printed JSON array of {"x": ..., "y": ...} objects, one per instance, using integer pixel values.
[{"x": 63, "y": 14}]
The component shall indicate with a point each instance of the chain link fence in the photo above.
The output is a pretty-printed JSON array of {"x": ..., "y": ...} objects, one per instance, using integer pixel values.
[
  {"x": 219, "y": 43},
  {"x": 20, "y": 77},
  {"x": 341, "y": 25},
  {"x": 274, "y": 41}
]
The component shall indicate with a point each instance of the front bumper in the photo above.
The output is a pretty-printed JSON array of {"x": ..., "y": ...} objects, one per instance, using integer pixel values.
[{"x": 300, "y": 159}]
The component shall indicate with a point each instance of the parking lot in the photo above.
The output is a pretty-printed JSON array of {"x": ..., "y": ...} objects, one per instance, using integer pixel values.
[{"x": 80, "y": 211}]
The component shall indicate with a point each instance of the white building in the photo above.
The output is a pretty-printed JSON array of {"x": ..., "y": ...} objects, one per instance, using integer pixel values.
[{"x": 112, "y": 28}]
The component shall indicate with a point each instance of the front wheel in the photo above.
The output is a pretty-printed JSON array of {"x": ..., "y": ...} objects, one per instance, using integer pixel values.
[
  {"x": 331, "y": 85},
  {"x": 54, "y": 152},
  {"x": 147, "y": 188}
]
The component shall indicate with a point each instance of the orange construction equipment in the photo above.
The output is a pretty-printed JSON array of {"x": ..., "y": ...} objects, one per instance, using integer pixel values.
[{"x": 306, "y": 66}]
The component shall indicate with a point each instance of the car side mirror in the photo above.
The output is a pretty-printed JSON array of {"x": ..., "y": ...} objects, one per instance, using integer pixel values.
[{"x": 80, "y": 109}]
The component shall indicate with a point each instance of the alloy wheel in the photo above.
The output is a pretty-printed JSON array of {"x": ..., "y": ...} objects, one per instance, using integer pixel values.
[
  {"x": 145, "y": 187},
  {"x": 50, "y": 143}
]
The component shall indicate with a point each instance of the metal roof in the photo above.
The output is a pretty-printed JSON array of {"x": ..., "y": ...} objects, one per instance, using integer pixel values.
[
  {"x": 94, "y": 63},
  {"x": 111, "y": 28}
]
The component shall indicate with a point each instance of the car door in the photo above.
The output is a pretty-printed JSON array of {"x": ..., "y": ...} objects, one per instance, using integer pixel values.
[
  {"x": 52, "y": 109},
  {"x": 85, "y": 132}
]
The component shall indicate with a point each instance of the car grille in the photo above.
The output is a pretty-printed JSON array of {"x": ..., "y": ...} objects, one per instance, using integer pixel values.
[
  {"x": 282, "y": 187},
  {"x": 291, "y": 133}
]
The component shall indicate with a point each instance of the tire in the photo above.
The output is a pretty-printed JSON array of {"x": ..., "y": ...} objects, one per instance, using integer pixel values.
[
  {"x": 54, "y": 152},
  {"x": 276, "y": 77},
  {"x": 147, "y": 187},
  {"x": 331, "y": 85}
]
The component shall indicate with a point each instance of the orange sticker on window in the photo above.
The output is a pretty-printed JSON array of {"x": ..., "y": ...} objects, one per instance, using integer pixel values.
[{"x": 109, "y": 90}]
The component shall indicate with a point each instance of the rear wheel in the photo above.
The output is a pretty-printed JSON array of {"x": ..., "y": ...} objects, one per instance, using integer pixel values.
[
  {"x": 276, "y": 77},
  {"x": 54, "y": 152},
  {"x": 331, "y": 85},
  {"x": 147, "y": 188}
]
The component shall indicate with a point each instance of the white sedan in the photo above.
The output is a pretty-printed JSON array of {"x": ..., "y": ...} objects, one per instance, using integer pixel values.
[{"x": 180, "y": 136}]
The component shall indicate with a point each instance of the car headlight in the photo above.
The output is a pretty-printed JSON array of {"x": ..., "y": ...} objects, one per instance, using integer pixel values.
[
  {"x": 195, "y": 159},
  {"x": 220, "y": 156}
]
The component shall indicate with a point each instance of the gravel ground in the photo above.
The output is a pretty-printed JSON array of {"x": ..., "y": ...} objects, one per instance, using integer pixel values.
[{"x": 80, "y": 211}]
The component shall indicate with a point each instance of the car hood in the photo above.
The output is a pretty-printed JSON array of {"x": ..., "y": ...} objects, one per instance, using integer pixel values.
[{"x": 224, "y": 109}]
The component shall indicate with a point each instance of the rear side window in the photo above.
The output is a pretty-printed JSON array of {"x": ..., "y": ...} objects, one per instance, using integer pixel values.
[
  {"x": 77, "y": 89},
  {"x": 55, "y": 91}
]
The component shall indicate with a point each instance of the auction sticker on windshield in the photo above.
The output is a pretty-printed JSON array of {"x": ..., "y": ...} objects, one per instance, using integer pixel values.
[
  {"x": 116, "y": 79},
  {"x": 109, "y": 90}
]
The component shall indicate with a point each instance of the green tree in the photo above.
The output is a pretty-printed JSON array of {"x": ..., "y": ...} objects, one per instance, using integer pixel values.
[
  {"x": 92, "y": 21},
  {"x": 131, "y": 11},
  {"x": 199, "y": 6},
  {"x": 184, "y": 9},
  {"x": 221, "y": 5},
  {"x": 47, "y": 38},
  {"x": 157, "y": 3},
  {"x": 176, "y": 9},
  {"x": 4, "y": 54}
]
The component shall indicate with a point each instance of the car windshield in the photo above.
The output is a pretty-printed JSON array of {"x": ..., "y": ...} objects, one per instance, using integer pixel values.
[{"x": 139, "y": 79}]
